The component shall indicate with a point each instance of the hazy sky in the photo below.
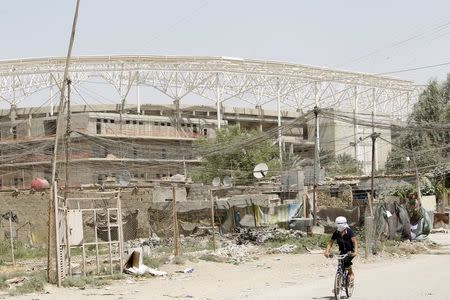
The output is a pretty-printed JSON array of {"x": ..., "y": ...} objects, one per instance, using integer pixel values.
[{"x": 367, "y": 36}]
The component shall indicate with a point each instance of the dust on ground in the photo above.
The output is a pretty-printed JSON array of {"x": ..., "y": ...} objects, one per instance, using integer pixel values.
[{"x": 247, "y": 268}]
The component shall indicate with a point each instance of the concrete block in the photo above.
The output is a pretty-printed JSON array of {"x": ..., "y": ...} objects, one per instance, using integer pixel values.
[
  {"x": 301, "y": 223},
  {"x": 317, "y": 230}
]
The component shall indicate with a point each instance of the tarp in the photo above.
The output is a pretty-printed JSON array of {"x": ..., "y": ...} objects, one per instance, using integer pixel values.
[
  {"x": 265, "y": 215},
  {"x": 395, "y": 221},
  {"x": 245, "y": 210}
]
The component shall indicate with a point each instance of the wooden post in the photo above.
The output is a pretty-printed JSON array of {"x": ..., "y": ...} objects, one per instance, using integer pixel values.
[
  {"x": 254, "y": 213},
  {"x": 176, "y": 245},
  {"x": 49, "y": 235},
  {"x": 11, "y": 238},
  {"x": 96, "y": 242},
  {"x": 57, "y": 237},
  {"x": 305, "y": 201},
  {"x": 55, "y": 150},
  {"x": 67, "y": 237},
  {"x": 233, "y": 211},
  {"x": 120, "y": 230},
  {"x": 212, "y": 222},
  {"x": 374, "y": 137},
  {"x": 109, "y": 241},
  {"x": 316, "y": 164}
]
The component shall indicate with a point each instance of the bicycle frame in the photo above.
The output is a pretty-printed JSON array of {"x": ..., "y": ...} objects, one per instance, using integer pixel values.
[{"x": 341, "y": 276}]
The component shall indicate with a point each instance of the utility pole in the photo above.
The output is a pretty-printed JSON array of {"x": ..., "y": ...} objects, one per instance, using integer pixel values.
[
  {"x": 316, "y": 164},
  {"x": 54, "y": 200},
  {"x": 67, "y": 140},
  {"x": 419, "y": 194},
  {"x": 176, "y": 244},
  {"x": 368, "y": 219},
  {"x": 374, "y": 137},
  {"x": 213, "y": 229}
]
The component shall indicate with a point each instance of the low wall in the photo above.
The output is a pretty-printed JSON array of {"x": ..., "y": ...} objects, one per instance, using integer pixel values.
[{"x": 32, "y": 211}]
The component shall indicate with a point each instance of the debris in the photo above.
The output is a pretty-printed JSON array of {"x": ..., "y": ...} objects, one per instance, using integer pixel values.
[
  {"x": 16, "y": 281},
  {"x": 135, "y": 266},
  {"x": 258, "y": 236},
  {"x": 187, "y": 270},
  {"x": 143, "y": 269},
  {"x": 285, "y": 249}
]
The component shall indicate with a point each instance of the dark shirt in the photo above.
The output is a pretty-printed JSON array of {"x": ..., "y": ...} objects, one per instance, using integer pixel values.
[{"x": 344, "y": 241}]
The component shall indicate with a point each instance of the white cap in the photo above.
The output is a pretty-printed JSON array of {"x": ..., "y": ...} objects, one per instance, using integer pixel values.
[{"x": 341, "y": 223}]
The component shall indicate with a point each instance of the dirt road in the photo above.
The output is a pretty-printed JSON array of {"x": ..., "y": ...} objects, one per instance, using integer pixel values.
[
  {"x": 281, "y": 277},
  {"x": 423, "y": 277}
]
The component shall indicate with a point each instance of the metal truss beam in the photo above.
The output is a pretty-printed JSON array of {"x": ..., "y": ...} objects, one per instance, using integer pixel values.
[{"x": 218, "y": 80}]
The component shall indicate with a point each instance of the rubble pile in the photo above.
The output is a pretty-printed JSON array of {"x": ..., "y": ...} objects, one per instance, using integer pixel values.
[
  {"x": 324, "y": 199},
  {"x": 258, "y": 236},
  {"x": 237, "y": 253},
  {"x": 285, "y": 249},
  {"x": 235, "y": 247}
]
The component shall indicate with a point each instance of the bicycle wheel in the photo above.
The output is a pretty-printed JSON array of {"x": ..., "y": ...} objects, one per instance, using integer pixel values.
[
  {"x": 337, "y": 286},
  {"x": 349, "y": 287}
]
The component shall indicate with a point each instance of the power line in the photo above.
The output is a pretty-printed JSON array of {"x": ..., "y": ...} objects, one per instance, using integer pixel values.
[
  {"x": 414, "y": 69},
  {"x": 401, "y": 42}
]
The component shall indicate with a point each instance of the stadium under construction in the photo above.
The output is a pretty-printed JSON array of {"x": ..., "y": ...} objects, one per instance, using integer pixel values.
[{"x": 139, "y": 116}]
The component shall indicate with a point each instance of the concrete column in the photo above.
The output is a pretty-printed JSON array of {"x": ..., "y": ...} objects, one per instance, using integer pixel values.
[
  {"x": 218, "y": 102},
  {"x": 138, "y": 95},
  {"x": 280, "y": 146},
  {"x": 29, "y": 125},
  {"x": 355, "y": 126}
]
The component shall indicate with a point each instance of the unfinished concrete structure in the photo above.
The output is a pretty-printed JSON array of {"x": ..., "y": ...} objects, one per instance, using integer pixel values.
[
  {"x": 145, "y": 141},
  {"x": 148, "y": 146}
]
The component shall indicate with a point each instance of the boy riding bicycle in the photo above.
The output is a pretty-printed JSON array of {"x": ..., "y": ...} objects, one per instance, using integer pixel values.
[{"x": 346, "y": 240}]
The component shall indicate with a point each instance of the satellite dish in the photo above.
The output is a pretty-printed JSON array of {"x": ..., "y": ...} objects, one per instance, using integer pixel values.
[
  {"x": 260, "y": 170},
  {"x": 123, "y": 179},
  {"x": 216, "y": 181},
  {"x": 227, "y": 181}
]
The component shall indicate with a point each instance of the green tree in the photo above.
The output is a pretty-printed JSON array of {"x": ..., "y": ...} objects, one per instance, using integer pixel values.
[
  {"x": 342, "y": 164},
  {"x": 234, "y": 152},
  {"x": 428, "y": 146}
]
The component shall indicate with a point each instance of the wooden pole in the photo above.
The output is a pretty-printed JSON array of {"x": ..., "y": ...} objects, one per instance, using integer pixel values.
[
  {"x": 120, "y": 230},
  {"x": 11, "y": 239},
  {"x": 316, "y": 164},
  {"x": 109, "y": 241},
  {"x": 175, "y": 225},
  {"x": 57, "y": 239},
  {"x": 305, "y": 200},
  {"x": 69, "y": 259},
  {"x": 97, "y": 258},
  {"x": 67, "y": 142},
  {"x": 254, "y": 213},
  {"x": 374, "y": 137},
  {"x": 55, "y": 148},
  {"x": 419, "y": 194},
  {"x": 213, "y": 229}
]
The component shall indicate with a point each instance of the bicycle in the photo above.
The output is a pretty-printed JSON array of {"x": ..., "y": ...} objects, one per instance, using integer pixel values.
[{"x": 341, "y": 282}]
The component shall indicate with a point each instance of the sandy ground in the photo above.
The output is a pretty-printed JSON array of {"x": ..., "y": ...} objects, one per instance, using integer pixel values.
[{"x": 308, "y": 276}]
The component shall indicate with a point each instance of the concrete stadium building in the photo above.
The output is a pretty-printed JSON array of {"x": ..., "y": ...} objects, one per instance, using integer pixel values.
[{"x": 160, "y": 105}]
